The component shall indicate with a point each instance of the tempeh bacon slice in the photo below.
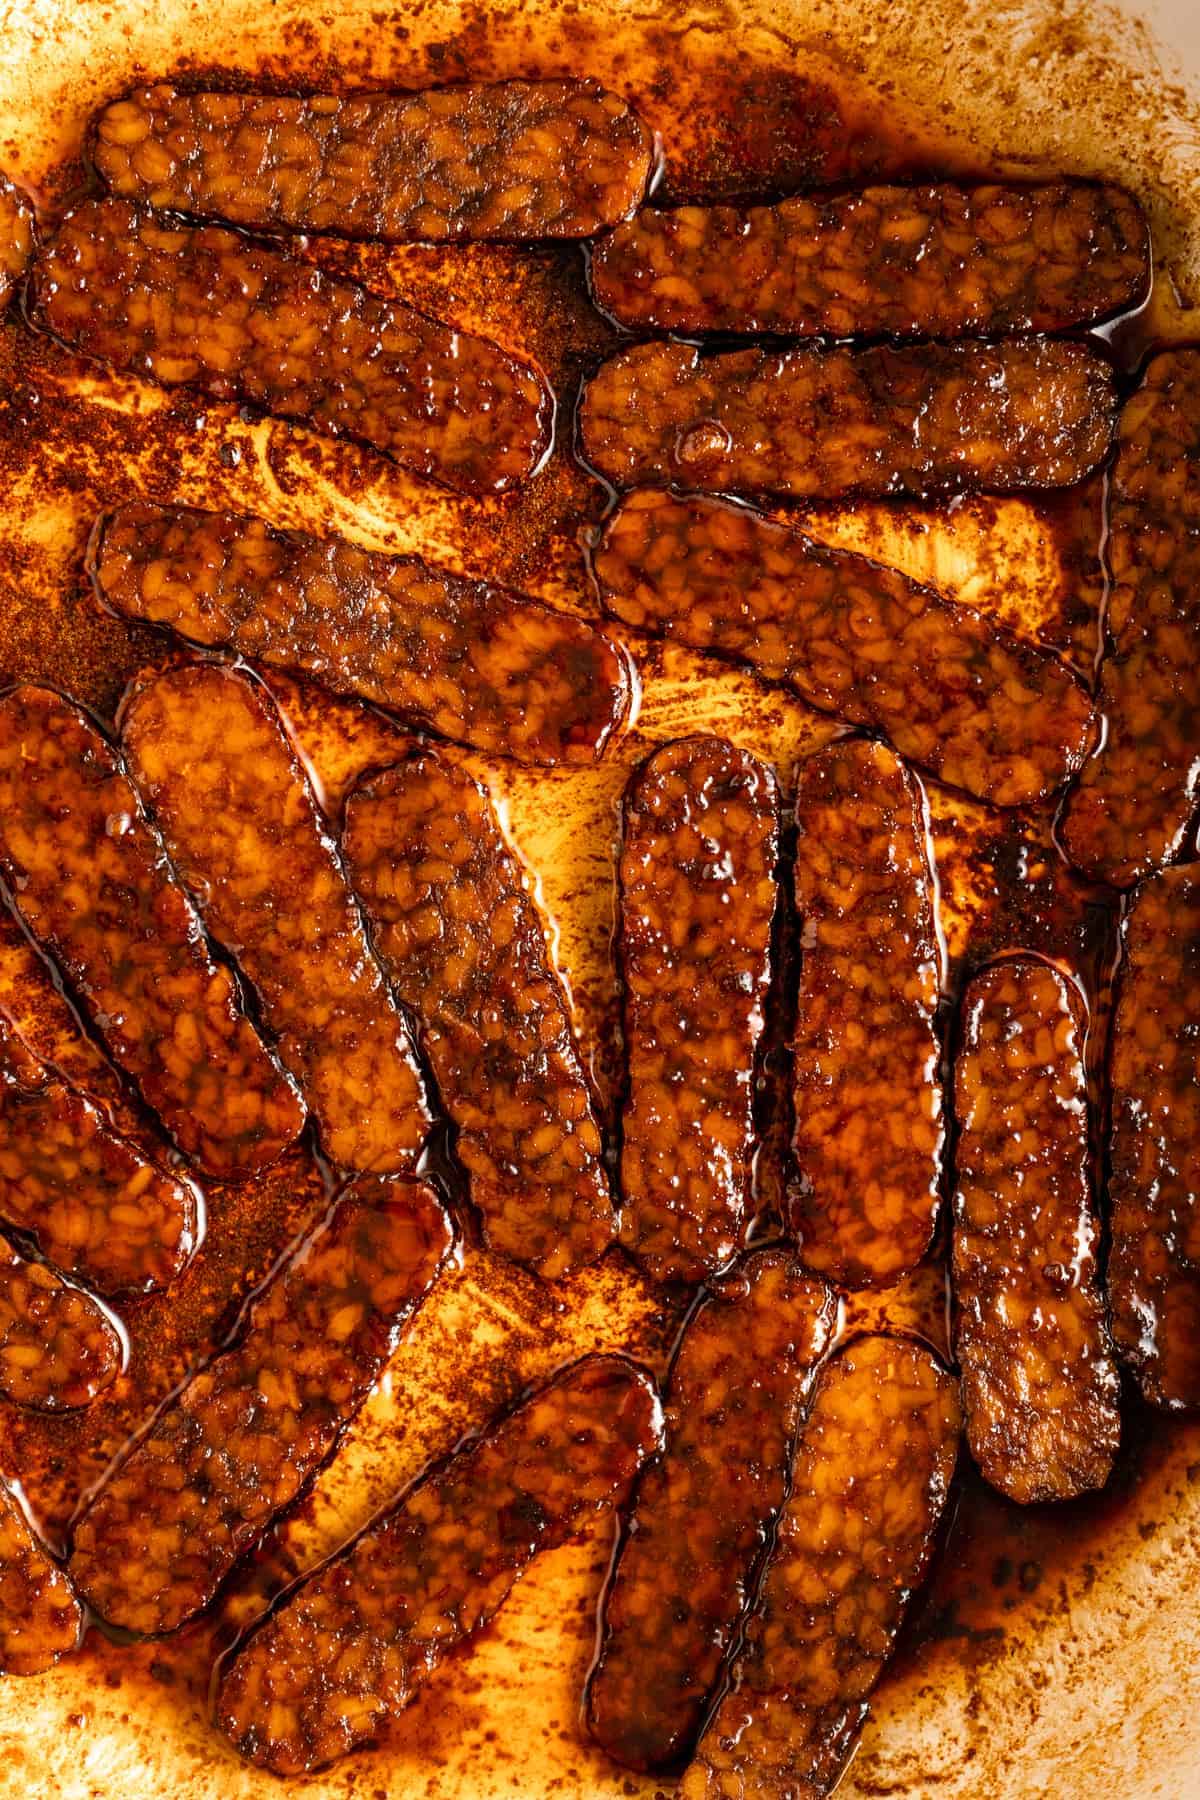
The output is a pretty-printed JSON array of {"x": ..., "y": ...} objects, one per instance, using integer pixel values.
[
  {"x": 58, "y": 1348},
  {"x": 869, "y": 1483},
  {"x": 94, "y": 887},
  {"x": 468, "y": 660},
  {"x": 239, "y": 1442},
  {"x": 1040, "y": 1387},
  {"x": 869, "y": 1123},
  {"x": 352, "y": 1645},
  {"x": 951, "y": 689},
  {"x": 826, "y": 423},
  {"x": 697, "y": 902},
  {"x": 209, "y": 309},
  {"x": 40, "y": 1618},
  {"x": 702, "y": 1513},
  {"x": 16, "y": 237},
  {"x": 938, "y": 261},
  {"x": 210, "y": 754},
  {"x": 463, "y": 944},
  {"x": 508, "y": 160}
]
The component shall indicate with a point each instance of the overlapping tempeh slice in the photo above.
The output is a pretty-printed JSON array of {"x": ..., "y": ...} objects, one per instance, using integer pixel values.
[
  {"x": 952, "y": 690},
  {"x": 869, "y": 1124},
  {"x": 466, "y": 659},
  {"x": 822, "y": 423},
  {"x": 212, "y": 310},
  {"x": 506, "y": 160},
  {"x": 16, "y": 237},
  {"x": 40, "y": 1618},
  {"x": 1154, "y": 1187},
  {"x": 352, "y": 1646},
  {"x": 463, "y": 944},
  {"x": 58, "y": 1348},
  {"x": 241, "y": 1439},
  {"x": 92, "y": 884},
  {"x": 209, "y": 752},
  {"x": 738, "y": 1386},
  {"x": 869, "y": 1483},
  {"x": 697, "y": 900},
  {"x": 1040, "y": 1388},
  {"x": 931, "y": 261},
  {"x": 1131, "y": 810}
]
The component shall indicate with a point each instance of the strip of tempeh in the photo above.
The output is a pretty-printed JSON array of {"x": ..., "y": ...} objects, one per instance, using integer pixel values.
[
  {"x": 821, "y": 423},
  {"x": 468, "y": 660},
  {"x": 40, "y": 1618},
  {"x": 351, "y": 1646},
  {"x": 740, "y": 1379},
  {"x": 952, "y": 690},
  {"x": 58, "y": 1348},
  {"x": 1131, "y": 810},
  {"x": 508, "y": 160},
  {"x": 697, "y": 900},
  {"x": 94, "y": 887},
  {"x": 1154, "y": 1187},
  {"x": 940, "y": 261},
  {"x": 869, "y": 1124},
  {"x": 869, "y": 1483},
  {"x": 463, "y": 944},
  {"x": 207, "y": 308},
  {"x": 208, "y": 750},
  {"x": 1040, "y": 1387},
  {"x": 242, "y": 1438},
  {"x": 16, "y": 237}
]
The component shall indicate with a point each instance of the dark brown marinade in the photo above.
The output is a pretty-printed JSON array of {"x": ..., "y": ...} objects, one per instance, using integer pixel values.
[
  {"x": 933, "y": 261},
  {"x": 463, "y": 944},
  {"x": 16, "y": 237},
  {"x": 868, "y": 1101},
  {"x": 468, "y": 660},
  {"x": 58, "y": 1348},
  {"x": 697, "y": 902},
  {"x": 824, "y": 423},
  {"x": 954, "y": 692},
  {"x": 92, "y": 884},
  {"x": 869, "y": 1482},
  {"x": 1041, "y": 1393},
  {"x": 40, "y": 1618},
  {"x": 1136, "y": 797},
  {"x": 210, "y": 754},
  {"x": 238, "y": 1443},
  {"x": 209, "y": 309},
  {"x": 1154, "y": 1187},
  {"x": 740, "y": 1379},
  {"x": 351, "y": 1646},
  {"x": 509, "y": 160}
]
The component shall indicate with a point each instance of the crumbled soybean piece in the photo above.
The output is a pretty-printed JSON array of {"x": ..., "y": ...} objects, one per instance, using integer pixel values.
[
  {"x": 933, "y": 261},
  {"x": 1154, "y": 1185},
  {"x": 16, "y": 237},
  {"x": 1041, "y": 1392},
  {"x": 242, "y": 1438},
  {"x": 468, "y": 660},
  {"x": 953, "y": 692},
  {"x": 702, "y": 1513},
  {"x": 697, "y": 901},
  {"x": 869, "y": 1484},
  {"x": 823, "y": 423},
  {"x": 507, "y": 160},
  {"x": 210, "y": 753},
  {"x": 868, "y": 1098},
  {"x": 58, "y": 1348},
  {"x": 40, "y": 1618},
  {"x": 92, "y": 884},
  {"x": 353, "y": 1645},
  {"x": 208, "y": 309},
  {"x": 1136, "y": 797}
]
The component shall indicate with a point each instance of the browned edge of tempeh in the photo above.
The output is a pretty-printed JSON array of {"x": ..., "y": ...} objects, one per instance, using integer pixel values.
[
  {"x": 40, "y": 1618},
  {"x": 60, "y": 1347}
]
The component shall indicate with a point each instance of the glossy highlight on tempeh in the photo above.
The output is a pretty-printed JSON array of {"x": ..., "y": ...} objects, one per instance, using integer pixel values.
[
  {"x": 352, "y": 1645},
  {"x": 830, "y": 423},
  {"x": 211, "y": 755},
  {"x": 94, "y": 887},
  {"x": 210, "y": 309},
  {"x": 40, "y": 1618},
  {"x": 470, "y": 661},
  {"x": 703, "y": 1512},
  {"x": 16, "y": 237},
  {"x": 242, "y": 1438},
  {"x": 507, "y": 160},
  {"x": 952, "y": 690},
  {"x": 58, "y": 1348}
]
